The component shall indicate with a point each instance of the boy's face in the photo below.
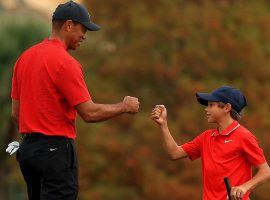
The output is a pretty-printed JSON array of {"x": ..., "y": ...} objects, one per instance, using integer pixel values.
[{"x": 215, "y": 113}]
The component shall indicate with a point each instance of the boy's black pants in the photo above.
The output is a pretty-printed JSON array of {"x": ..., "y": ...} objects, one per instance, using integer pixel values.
[{"x": 49, "y": 167}]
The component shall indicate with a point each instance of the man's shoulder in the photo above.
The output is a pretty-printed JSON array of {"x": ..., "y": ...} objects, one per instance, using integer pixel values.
[
  {"x": 31, "y": 49},
  {"x": 55, "y": 53}
]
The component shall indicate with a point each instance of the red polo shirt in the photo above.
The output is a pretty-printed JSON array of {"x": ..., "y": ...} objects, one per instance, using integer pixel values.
[
  {"x": 48, "y": 82},
  {"x": 231, "y": 153}
]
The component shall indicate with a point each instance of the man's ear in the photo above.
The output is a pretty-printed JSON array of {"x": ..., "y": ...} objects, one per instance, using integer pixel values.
[{"x": 68, "y": 25}]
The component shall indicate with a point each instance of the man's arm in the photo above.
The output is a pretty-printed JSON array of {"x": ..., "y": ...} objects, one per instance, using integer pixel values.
[
  {"x": 159, "y": 115},
  {"x": 13, "y": 146},
  {"x": 15, "y": 111},
  {"x": 92, "y": 112},
  {"x": 262, "y": 175}
]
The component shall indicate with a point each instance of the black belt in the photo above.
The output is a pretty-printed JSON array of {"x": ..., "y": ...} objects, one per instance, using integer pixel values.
[{"x": 36, "y": 135}]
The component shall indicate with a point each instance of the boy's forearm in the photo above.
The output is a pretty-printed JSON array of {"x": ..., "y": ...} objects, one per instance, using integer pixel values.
[
  {"x": 260, "y": 177},
  {"x": 175, "y": 151}
]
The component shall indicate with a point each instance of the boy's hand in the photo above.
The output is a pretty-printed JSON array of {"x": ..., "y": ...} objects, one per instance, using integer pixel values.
[
  {"x": 159, "y": 114},
  {"x": 237, "y": 193}
]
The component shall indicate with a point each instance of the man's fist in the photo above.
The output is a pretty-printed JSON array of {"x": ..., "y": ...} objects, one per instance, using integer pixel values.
[{"x": 132, "y": 104}]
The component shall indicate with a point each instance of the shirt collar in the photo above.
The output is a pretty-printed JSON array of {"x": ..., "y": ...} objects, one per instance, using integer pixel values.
[
  {"x": 233, "y": 126},
  {"x": 56, "y": 41}
]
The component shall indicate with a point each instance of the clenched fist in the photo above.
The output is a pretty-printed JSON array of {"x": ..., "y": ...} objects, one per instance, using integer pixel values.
[
  {"x": 237, "y": 193},
  {"x": 159, "y": 114},
  {"x": 132, "y": 104}
]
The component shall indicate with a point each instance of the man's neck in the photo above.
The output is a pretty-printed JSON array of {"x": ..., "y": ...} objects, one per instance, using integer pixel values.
[{"x": 57, "y": 36}]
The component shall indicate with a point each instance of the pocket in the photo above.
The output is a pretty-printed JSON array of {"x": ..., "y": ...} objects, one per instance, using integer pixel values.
[{"x": 72, "y": 156}]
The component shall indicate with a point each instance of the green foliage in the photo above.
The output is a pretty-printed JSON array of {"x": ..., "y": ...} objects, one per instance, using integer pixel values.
[{"x": 15, "y": 36}]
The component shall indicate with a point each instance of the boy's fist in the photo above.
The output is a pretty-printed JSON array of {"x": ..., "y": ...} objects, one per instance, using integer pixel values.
[{"x": 159, "y": 114}]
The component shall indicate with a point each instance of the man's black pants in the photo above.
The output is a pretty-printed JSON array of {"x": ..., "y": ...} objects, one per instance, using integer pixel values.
[{"x": 49, "y": 167}]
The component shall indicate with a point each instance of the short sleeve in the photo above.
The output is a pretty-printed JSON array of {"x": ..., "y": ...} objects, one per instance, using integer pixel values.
[
  {"x": 253, "y": 153},
  {"x": 70, "y": 82},
  {"x": 193, "y": 148},
  {"x": 14, "y": 84}
]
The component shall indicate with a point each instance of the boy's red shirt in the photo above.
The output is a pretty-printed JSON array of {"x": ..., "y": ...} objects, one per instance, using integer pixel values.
[{"x": 231, "y": 153}]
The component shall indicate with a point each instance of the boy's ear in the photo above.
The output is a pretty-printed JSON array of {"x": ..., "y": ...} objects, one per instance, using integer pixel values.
[{"x": 228, "y": 107}]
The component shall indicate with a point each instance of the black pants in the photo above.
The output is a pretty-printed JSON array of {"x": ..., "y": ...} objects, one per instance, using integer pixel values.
[{"x": 49, "y": 167}]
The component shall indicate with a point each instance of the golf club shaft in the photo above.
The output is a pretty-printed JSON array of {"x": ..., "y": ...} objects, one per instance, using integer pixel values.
[{"x": 228, "y": 186}]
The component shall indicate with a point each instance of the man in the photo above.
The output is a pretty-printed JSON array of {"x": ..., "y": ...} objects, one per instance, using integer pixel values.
[
  {"x": 228, "y": 151},
  {"x": 48, "y": 89}
]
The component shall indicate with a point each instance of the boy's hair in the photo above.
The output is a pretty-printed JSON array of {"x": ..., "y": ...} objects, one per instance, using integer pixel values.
[{"x": 235, "y": 115}]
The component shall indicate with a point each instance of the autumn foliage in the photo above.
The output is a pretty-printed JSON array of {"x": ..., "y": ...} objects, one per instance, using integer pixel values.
[{"x": 163, "y": 52}]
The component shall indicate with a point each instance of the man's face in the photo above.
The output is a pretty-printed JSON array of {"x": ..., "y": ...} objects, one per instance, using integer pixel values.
[
  {"x": 214, "y": 112},
  {"x": 76, "y": 35}
]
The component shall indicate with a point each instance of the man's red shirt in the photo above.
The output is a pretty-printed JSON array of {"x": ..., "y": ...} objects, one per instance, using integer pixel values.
[
  {"x": 48, "y": 82},
  {"x": 231, "y": 153}
]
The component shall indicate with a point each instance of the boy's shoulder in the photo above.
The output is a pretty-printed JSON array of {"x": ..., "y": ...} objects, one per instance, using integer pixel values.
[
  {"x": 241, "y": 131},
  {"x": 243, "y": 134},
  {"x": 208, "y": 132}
]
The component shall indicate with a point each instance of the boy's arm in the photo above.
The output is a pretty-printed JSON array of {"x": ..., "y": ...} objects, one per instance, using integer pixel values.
[
  {"x": 262, "y": 175},
  {"x": 159, "y": 115},
  {"x": 175, "y": 151}
]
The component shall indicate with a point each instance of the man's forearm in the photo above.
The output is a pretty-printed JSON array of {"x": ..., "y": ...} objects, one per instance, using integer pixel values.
[
  {"x": 104, "y": 112},
  {"x": 93, "y": 112},
  {"x": 15, "y": 120}
]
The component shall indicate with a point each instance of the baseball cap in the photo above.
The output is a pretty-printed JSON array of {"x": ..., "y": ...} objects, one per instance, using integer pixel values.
[
  {"x": 75, "y": 12},
  {"x": 225, "y": 94}
]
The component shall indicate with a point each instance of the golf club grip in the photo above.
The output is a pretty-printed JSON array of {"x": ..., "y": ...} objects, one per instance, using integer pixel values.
[{"x": 228, "y": 186}]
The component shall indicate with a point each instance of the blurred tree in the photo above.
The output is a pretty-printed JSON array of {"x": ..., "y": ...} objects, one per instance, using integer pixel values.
[{"x": 163, "y": 52}]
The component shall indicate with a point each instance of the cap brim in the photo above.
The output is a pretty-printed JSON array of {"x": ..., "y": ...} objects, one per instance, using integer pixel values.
[
  {"x": 204, "y": 98},
  {"x": 90, "y": 26}
]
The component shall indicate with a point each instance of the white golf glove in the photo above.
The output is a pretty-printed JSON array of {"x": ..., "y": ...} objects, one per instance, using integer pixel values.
[{"x": 12, "y": 147}]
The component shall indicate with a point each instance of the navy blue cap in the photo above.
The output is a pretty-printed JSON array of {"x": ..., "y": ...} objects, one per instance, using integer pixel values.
[
  {"x": 225, "y": 94},
  {"x": 75, "y": 12}
]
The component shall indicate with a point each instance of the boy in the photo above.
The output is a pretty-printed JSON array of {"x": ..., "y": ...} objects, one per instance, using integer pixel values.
[{"x": 228, "y": 151}]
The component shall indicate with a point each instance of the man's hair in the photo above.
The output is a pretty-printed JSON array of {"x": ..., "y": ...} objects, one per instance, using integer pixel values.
[
  {"x": 57, "y": 24},
  {"x": 235, "y": 115}
]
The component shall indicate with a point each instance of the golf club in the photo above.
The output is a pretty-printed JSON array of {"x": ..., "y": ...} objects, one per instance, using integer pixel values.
[{"x": 228, "y": 186}]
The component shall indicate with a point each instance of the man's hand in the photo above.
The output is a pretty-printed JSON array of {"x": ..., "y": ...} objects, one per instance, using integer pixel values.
[
  {"x": 237, "y": 193},
  {"x": 132, "y": 104},
  {"x": 159, "y": 114},
  {"x": 12, "y": 147}
]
